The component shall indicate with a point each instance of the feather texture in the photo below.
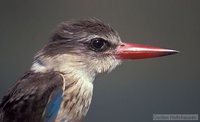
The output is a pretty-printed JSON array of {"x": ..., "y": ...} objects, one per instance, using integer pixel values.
[
  {"x": 27, "y": 99},
  {"x": 53, "y": 106}
]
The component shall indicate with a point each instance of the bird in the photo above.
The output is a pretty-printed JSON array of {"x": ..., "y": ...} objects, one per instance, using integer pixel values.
[{"x": 58, "y": 87}]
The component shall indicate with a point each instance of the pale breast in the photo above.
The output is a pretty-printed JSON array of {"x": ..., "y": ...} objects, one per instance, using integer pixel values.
[{"x": 76, "y": 101}]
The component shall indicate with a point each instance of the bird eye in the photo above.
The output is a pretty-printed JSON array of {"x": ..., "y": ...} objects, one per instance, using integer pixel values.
[{"x": 98, "y": 44}]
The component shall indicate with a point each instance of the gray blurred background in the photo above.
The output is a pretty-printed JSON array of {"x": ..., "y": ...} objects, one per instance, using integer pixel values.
[{"x": 135, "y": 90}]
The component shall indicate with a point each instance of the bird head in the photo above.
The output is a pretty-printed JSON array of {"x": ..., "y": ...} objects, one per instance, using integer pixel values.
[{"x": 89, "y": 47}]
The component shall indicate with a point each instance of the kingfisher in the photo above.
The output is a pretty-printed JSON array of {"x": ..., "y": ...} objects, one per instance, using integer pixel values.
[{"x": 58, "y": 87}]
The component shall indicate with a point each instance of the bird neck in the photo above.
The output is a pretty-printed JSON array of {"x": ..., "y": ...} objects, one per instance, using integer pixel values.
[{"x": 69, "y": 66}]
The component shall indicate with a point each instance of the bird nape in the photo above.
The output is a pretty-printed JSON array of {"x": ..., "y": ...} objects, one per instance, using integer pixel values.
[{"x": 59, "y": 85}]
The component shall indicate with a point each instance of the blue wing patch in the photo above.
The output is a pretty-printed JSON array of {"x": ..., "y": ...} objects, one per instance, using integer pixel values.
[{"x": 53, "y": 106}]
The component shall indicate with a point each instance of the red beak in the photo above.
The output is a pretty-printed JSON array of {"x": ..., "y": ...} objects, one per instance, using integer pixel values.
[{"x": 140, "y": 51}]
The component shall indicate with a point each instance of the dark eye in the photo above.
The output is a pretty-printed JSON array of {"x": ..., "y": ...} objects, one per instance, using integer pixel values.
[{"x": 98, "y": 44}]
